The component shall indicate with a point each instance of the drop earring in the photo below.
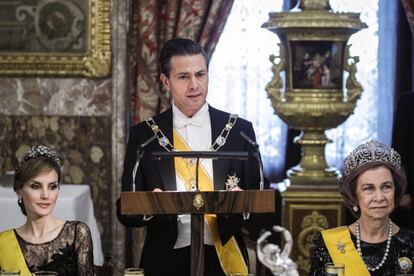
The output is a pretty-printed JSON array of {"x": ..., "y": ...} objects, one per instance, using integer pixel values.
[{"x": 20, "y": 200}]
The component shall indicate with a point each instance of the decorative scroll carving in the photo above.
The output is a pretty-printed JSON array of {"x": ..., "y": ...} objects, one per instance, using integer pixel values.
[
  {"x": 310, "y": 225},
  {"x": 275, "y": 86},
  {"x": 353, "y": 86}
]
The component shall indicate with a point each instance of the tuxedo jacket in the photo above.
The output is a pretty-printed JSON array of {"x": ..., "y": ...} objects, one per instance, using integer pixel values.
[{"x": 151, "y": 174}]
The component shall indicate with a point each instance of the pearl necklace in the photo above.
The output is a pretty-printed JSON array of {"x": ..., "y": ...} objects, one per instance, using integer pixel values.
[{"x": 387, "y": 248}]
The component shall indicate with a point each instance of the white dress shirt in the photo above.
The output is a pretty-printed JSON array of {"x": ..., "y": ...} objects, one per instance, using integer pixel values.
[{"x": 196, "y": 132}]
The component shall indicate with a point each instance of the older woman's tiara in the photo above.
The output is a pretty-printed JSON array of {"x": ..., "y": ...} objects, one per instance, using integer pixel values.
[
  {"x": 371, "y": 152},
  {"x": 39, "y": 151}
]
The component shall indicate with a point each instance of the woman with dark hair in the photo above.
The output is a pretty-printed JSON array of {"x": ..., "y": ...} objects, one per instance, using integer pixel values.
[
  {"x": 372, "y": 185},
  {"x": 44, "y": 242}
]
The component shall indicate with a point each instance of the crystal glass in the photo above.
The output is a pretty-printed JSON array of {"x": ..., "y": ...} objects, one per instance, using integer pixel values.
[
  {"x": 45, "y": 273},
  {"x": 133, "y": 271},
  {"x": 9, "y": 273},
  {"x": 334, "y": 269}
]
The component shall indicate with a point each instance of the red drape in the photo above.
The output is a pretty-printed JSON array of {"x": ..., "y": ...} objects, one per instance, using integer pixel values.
[{"x": 154, "y": 23}]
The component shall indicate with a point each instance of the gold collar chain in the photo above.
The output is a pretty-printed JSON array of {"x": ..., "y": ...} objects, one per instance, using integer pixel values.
[{"x": 218, "y": 142}]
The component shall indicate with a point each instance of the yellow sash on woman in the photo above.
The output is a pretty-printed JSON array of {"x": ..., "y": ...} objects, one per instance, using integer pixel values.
[
  {"x": 11, "y": 256},
  {"x": 230, "y": 256},
  {"x": 342, "y": 251}
]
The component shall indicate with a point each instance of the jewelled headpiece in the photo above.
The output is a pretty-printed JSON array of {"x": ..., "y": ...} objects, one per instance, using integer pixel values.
[
  {"x": 371, "y": 152},
  {"x": 39, "y": 151}
]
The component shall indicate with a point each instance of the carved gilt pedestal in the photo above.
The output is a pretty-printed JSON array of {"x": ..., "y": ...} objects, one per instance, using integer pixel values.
[
  {"x": 318, "y": 91},
  {"x": 306, "y": 212}
]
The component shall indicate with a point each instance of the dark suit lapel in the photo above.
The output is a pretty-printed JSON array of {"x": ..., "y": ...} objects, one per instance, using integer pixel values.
[
  {"x": 166, "y": 166},
  {"x": 220, "y": 167}
]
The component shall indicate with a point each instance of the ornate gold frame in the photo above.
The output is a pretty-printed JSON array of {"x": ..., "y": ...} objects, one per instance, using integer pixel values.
[{"x": 94, "y": 62}]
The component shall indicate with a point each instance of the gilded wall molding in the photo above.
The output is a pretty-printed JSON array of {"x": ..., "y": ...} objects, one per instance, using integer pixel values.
[{"x": 56, "y": 38}]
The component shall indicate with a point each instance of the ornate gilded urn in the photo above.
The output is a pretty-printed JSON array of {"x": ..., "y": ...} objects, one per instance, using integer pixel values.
[{"x": 314, "y": 56}]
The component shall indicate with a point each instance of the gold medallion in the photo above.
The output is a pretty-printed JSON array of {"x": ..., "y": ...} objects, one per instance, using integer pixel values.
[
  {"x": 405, "y": 264},
  {"x": 198, "y": 201}
]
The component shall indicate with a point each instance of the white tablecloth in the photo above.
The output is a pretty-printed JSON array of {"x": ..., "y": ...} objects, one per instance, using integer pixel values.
[{"x": 74, "y": 203}]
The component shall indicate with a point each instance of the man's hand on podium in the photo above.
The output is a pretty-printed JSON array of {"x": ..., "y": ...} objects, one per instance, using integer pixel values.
[
  {"x": 236, "y": 188},
  {"x": 146, "y": 217}
]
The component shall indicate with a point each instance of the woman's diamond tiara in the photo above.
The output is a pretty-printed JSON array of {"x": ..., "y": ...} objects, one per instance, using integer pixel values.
[
  {"x": 371, "y": 152},
  {"x": 39, "y": 151}
]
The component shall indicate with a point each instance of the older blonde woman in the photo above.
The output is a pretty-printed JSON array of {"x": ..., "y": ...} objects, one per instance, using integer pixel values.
[{"x": 372, "y": 184}]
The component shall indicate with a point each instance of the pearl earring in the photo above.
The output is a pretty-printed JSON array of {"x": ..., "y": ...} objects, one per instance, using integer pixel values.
[
  {"x": 355, "y": 208},
  {"x": 20, "y": 200}
]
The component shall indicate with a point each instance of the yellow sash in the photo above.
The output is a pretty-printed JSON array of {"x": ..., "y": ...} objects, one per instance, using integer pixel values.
[
  {"x": 11, "y": 257},
  {"x": 339, "y": 238},
  {"x": 230, "y": 256}
]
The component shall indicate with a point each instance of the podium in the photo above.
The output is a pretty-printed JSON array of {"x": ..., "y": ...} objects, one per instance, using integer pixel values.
[{"x": 197, "y": 204}]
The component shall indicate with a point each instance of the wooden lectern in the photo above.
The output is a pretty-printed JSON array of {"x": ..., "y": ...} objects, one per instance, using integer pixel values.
[{"x": 197, "y": 204}]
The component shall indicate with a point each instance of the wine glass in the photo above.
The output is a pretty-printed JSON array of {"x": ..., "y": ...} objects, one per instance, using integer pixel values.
[
  {"x": 9, "y": 273},
  {"x": 332, "y": 269},
  {"x": 133, "y": 271},
  {"x": 45, "y": 273}
]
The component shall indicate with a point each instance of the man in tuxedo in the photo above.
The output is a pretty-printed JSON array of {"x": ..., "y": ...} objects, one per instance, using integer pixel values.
[
  {"x": 403, "y": 142},
  {"x": 190, "y": 124}
]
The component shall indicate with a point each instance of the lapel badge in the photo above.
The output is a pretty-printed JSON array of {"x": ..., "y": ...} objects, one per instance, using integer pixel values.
[
  {"x": 405, "y": 264},
  {"x": 232, "y": 182},
  {"x": 340, "y": 247}
]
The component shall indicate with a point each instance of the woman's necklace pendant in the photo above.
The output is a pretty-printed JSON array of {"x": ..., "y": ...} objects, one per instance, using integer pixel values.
[{"x": 387, "y": 248}]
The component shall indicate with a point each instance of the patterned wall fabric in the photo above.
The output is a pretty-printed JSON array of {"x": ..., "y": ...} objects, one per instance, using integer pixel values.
[
  {"x": 158, "y": 21},
  {"x": 2, "y": 143},
  {"x": 83, "y": 143},
  {"x": 409, "y": 11}
]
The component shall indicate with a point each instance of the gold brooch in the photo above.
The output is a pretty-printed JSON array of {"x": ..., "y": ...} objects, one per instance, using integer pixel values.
[
  {"x": 232, "y": 182},
  {"x": 198, "y": 201},
  {"x": 405, "y": 264},
  {"x": 341, "y": 247}
]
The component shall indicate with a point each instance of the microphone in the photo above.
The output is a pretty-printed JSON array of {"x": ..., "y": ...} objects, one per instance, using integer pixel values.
[
  {"x": 248, "y": 139},
  {"x": 140, "y": 154},
  {"x": 149, "y": 140},
  {"x": 256, "y": 154}
]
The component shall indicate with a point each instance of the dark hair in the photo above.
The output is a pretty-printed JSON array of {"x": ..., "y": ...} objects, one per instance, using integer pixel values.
[
  {"x": 348, "y": 184},
  {"x": 178, "y": 47},
  {"x": 32, "y": 168}
]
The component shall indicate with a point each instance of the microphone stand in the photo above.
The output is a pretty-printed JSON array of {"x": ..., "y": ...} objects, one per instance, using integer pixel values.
[
  {"x": 256, "y": 154},
  {"x": 140, "y": 154},
  {"x": 241, "y": 155}
]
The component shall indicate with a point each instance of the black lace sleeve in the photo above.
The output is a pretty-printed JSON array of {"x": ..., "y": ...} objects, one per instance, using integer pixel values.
[
  {"x": 319, "y": 256},
  {"x": 84, "y": 249}
]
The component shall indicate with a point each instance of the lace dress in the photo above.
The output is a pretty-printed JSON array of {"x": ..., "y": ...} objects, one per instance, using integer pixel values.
[
  {"x": 402, "y": 245},
  {"x": 70, "y": 253}
]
